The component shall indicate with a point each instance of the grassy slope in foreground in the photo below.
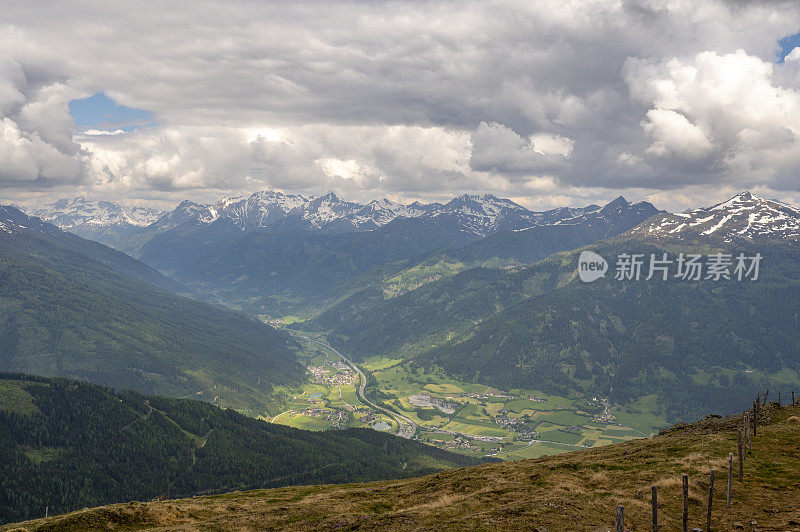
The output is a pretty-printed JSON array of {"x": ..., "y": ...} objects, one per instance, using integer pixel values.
[
  {"x": 67, "y": 444},
  {"x": 575, "y": 491}
]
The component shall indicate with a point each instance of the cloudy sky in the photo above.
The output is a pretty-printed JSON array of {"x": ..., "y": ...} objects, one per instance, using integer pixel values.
[{"x": 547, "y": 102}]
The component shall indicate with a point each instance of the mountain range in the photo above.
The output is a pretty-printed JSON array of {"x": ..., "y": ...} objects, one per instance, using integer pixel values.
[
  {"x": 259, "y": 251},
  {"x": 745, "y": 215},
  {"x": 488, "y": 291},
  {"x": 477, "y": 215}
]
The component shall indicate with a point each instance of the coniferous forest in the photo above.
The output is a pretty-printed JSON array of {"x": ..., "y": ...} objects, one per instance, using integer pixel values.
[{"x": 66, "y": 444}]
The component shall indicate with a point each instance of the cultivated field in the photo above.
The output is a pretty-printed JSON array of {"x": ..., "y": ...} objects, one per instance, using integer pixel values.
[{"x": 464, "y": 417}]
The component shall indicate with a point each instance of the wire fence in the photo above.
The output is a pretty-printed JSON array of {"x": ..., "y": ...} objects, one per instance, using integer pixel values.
[{"x": 745, "y": 433}]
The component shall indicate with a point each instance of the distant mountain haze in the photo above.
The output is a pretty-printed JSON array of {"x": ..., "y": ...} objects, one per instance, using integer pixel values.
[
  {"x": 276, "y": 212},
  {"x": 256, "y": 251},
  {"x": 108, "y": 222}
]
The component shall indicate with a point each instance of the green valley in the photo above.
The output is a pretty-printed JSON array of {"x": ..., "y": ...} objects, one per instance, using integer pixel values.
[
  {"x": 467, "y": 418},
  {"x": 691, "y": 343},
  {"x": 329, "y": 400}
]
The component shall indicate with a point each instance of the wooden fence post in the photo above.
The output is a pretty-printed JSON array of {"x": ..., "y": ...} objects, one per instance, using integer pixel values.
[
  {"x": 685, "y": 479},
  {"x": 755, "y": 418},
  {"x": 749, "y": 441},
  {"x": 654, "y": 494},
  {"x": 619, "y": 519},
  {"x": 792, "y": 397},
  {"x": 730, "y": 478},
  {"x": 710, "y": 500},
  {"x": 779, "y": 397},
  {"x": 744, "y": 437},
  {"x": 741, "y": 457},
  {"x": 745, "y": 432}
]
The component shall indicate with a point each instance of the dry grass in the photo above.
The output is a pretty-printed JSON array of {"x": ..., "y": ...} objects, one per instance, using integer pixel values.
[
  {"x": 576, "y": 491},
  {"x": 702, "y": 461},
  {"x": 598, "y": 478}
]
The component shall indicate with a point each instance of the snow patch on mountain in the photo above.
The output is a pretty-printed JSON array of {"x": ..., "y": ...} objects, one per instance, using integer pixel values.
[
  {"x": 744, "y": 216},
  {"x": 13, "y": 220},
  {"x": 269, "y": 210},
  {"x": 68, "y": 214},
  {"x": 479, "y": 215}
]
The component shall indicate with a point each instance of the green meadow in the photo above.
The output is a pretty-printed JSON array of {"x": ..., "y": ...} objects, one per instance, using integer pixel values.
[{"x": 476, "y": 419}]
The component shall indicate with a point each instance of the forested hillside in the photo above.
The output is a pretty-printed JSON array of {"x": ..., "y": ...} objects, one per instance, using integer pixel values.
[
  {"x": 576, "y": 491},
  {"x": 22, "y": 224},
  {"x": 699, "y": 345},
  {"x": 368, "y": 324},
  {"x": 66, "y": 444},
  {"x": 66, "y": 314},
  {"x": 353, "y": 309}
]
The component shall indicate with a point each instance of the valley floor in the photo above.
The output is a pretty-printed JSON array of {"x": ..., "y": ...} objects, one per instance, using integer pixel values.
[
  {"x": 468, "y": 418},
  {"x": 573, "y": 491}
]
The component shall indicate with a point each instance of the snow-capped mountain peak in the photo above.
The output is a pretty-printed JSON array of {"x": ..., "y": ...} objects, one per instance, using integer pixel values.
[
  {"x": 744, "y": 216},
  {"x": 68, "y": 214},
  {"x": 476, "y": 214},
  {"x": 484, "y": 214},
  {"x": 486, "y": 204},
  {"x": 383, "y": 205},
  {"x": 616, "y": 204},
  {"x": 13, "y": 220}
]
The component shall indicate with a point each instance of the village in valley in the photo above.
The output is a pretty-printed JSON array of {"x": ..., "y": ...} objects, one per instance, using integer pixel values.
[
  {"x": 329, "y": 400},
  {"x": 342, "y": 375},
  {"x": 468, "y": 418}
]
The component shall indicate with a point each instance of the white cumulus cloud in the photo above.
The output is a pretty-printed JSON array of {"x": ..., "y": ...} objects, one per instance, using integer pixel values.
[
  {"x": 576, "y": 101},
  {"x": 725, "y": 109}
]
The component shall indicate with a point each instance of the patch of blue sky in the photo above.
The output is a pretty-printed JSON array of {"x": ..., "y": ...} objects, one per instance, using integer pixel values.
[
  {"x": 102, "y": 113},
  {"x": 788, "y": 44}
]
